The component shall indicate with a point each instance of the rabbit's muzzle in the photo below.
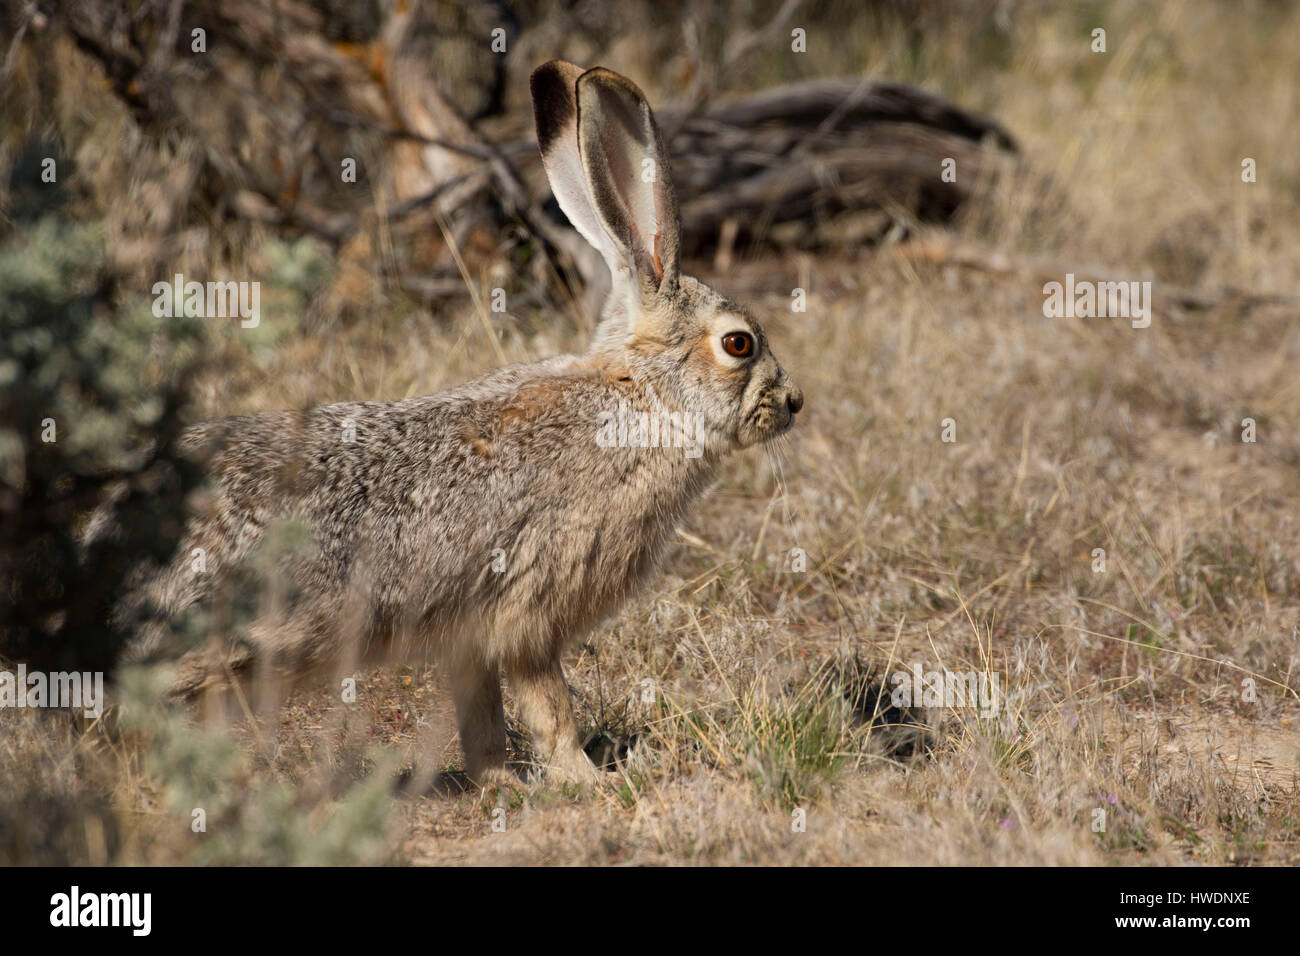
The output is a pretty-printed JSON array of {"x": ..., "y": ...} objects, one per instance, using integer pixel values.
[
  {"x": 791, "y": 402},
  {"x": 773, "y": 414}
]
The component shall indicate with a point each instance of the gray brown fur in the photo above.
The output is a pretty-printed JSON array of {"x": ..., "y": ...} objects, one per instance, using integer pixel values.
[{"x": 405, "y": 518}]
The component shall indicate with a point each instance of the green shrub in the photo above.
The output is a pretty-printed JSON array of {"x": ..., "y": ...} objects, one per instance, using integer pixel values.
[{"x": 92, "y": 399}]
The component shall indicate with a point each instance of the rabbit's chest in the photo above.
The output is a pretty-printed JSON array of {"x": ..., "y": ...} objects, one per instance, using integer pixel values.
[{"x": 616, "y": 535}]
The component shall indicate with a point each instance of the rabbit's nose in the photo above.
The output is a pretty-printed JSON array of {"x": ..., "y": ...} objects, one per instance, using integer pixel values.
[{"x": 794, "y": 399}]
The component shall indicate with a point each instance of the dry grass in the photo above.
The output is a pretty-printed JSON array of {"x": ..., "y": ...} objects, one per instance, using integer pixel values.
[{"x": 1122, "y": 689}]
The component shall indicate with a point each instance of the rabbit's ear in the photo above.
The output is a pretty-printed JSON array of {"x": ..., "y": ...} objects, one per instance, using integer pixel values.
[
  {"x": 626, "y": 169},
  {"x": 555, "y": 109}
]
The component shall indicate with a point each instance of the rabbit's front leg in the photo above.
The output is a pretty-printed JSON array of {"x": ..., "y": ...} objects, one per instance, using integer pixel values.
[
  {"x": 476, "y": 687},
  {"x": 547, "y": 711}
]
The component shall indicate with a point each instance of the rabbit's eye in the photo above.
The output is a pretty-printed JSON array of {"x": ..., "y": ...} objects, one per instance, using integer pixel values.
[{"x": 739, "y": 344}]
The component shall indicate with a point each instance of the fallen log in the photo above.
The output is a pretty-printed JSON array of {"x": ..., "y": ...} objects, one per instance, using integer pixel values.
[{"x": 789, "y": 163}]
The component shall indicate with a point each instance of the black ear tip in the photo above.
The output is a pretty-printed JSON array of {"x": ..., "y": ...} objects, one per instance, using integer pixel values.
[
  {"x": 542, "y": 75},
  {"x": 546, "y": 82},
  {"x": 555, "y": 104}
]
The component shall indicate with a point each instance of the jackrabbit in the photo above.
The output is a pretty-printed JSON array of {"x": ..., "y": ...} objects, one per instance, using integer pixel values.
[{"x": 491, "y": 525}]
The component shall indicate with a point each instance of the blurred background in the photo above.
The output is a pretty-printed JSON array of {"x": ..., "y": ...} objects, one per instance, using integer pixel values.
[{"x": 372, "y": 165}]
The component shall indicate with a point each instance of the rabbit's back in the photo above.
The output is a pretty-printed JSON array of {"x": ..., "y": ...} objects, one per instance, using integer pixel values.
[{"x": 487, "y": 513}]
